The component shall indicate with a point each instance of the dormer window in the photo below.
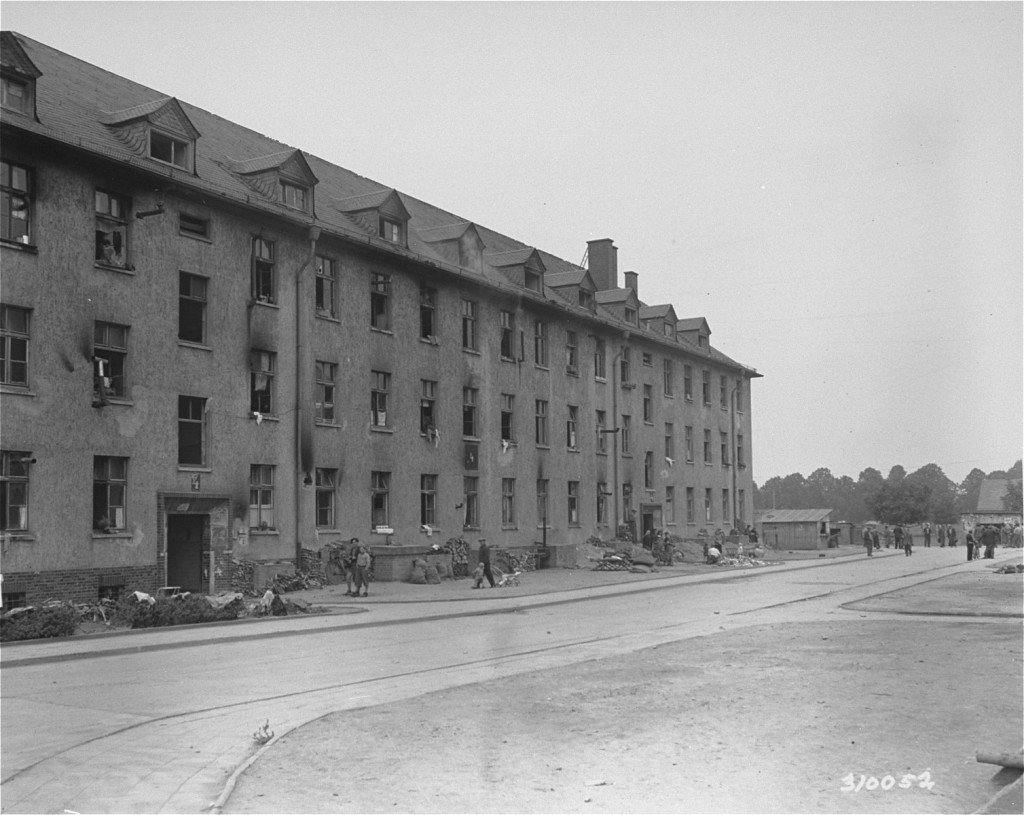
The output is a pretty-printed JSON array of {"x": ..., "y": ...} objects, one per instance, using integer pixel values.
[
  {"x": 294, "y": 196},
  {"x": 702, "y": 341},
  {"x": 587, "y": 299},
  {"x": 170, "y": 150},
  {"x": 392, "y": 231},
  {"x": 533, "y": 279},
  {"x": 630, "y": 314},
  {"x": 670, "y": 330},
  {"x": 16, "y": 95}
]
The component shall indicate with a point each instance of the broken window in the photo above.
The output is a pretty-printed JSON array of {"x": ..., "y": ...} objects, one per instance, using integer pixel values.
[
  {"x": 380, "y": 301},
  {"x": 110, "y": 353},
  {"x": 572, "y": 420},
  {"x": 428, "y": 305},
  {"x": 111, "y": 229},
  {"x": 428, "y": 399},
  {"x": 507, "y": 335},
  {"x": 507, "y": 418},
  {"x": 326, "y": 284},
  {"x": 572, "y": 359},
  {"x": 15, "y": 203},
  {"x": 261, "y": 374},
  {"x": 263, "y": 283},
  {"x": 326, "y": 482},
  {"x": 380, "y": 489},
  {"x": 471, "y": 501},
  {"x": 381, "y": 384},
  {"x": 574, "y": 503}
]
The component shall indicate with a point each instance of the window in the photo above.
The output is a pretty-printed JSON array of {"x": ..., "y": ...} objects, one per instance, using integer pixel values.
[
  {"x": 111, "y": 229},
  {"x": 13, "y": 346},
  {"x": 707, "y": 505},
  {"x": 647, "y": 359},
  {"x": 532, "y": 278},
  {"x": 586, "y": 299},
  {"x": 691, "y": 512},
  {"x": 624, "y": 433},
  {"x": 192, "y": 431},
  {"x": 380, "y": 488},
  {"x": 507, "y": 335},
  {"x": 669, "y": 330},
  {"x": 294, "y": 196},
  {"x": 15, "y": 95},
  {"x": 170, "y": 150},
  {"x": 599, "y": 360},
  {"x": 689, "y": 443},
  {"x": 670, "y": 505},
  {"x": 326, "y": 483},
  {"x": 263, "y": 283},
  {"x": 707, "y": 446},
  {"x": 14, "y": 490},
  {"x": 508, "y": 501},
  {"x": 540, "y": 344},
  {"x": 573, "y": 503},
  {"x": 469, "y": 412},
  {"x": 379, "y": 388},
  {"x": 16, "y": 203},
  {"x": 649, "y": 469},
  {"x": 624, "y": 367},
  {"x": 648, "y": 404},
  {"x": 428, "y": 306},
  {"x": 428, "y": 400},
  {"x": 670, "y": 440},
  {"x": 630, "y": 315},
  {"x": 380, "y": 301},
  {"x": 192, "y": 226},
  {"x": 261, "y": 496},
  {"x": 541, "y": 422},
  {"x": 469, "y": 334},
  {"x": 723, "y": 397},
  {"x": 261, "y": 377},
  {"x": 428, "y": 499},
  {"x": 192, "y": 307},
  {"x": 542, "y": 502},
  {"x": 688, "y": 382},
  {"x": 507, "y": 425},
  {"x": 109, "y": 485},
  {"x": 326, "y": 287},
  {"x": 572, "y": 420},
  {"x": 740, "y": 462},
  {"x": 471, "y": 501},
  {"x": 726, "y": 514},
  {"x": 667, "y": 376},
  {"x": 110, "y": 353},
  {"x": 572, "y": 359},
  {"x": 325, "y": 372},
  {"x": 706, "y": 387},
  {"x": 724, "y": 443},
  {"x": 602, "y": 502},
  {"x": 392, "y": 231},
  {"x": 739, "y": 395},
  {"x": 602, "y": 435}
]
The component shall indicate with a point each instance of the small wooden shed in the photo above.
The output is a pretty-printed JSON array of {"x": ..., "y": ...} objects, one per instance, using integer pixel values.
[{"x": 793, "y": 528}]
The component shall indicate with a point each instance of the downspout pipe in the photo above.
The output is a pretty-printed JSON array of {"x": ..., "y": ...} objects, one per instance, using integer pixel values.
[{"x": 303, "y": 416}]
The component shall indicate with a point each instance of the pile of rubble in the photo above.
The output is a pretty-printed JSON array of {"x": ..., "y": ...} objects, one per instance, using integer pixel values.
[
  {"x": 741, "y": 560},
  {"x": 1009, "y": 568}
]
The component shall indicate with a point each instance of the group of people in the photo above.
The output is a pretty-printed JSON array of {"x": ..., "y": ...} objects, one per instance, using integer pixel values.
[
  {"x": 987, "y": 537},
  {"x": 356, "y": 561}
]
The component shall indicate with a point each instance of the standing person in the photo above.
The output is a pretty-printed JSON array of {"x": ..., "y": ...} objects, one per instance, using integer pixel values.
[
  {"x": 927, "y": 535},
  {"x": 897, "y": 534},
  {"x": 484, "y": 556},
  {"x": 869, "y": 544},
  {"x": 908, "y": 542},
  {"x": 349, "y": 562},
  {"x": 875, "y": 537},
  {"x": 1018, "y": 537},
  {"x": 970, "y": 545},
  {"x": 940, "y": 533},
  {"x": 951, "y": 534},
  {"x": 888, "y": 536},
  {"x": 990, "y": 537},
  {"x": 362, "y": 571}
]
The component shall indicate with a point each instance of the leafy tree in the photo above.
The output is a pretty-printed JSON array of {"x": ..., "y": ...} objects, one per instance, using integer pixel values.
[
  {"x": 943, "y": 493},
  {"x": 1015, "y": 470},
  {"x": 896, "y": 474},
  {"x": 902, "y": 503},
  {"x": 968, "y": 491},
  {"x": 1012, "y": 500}
]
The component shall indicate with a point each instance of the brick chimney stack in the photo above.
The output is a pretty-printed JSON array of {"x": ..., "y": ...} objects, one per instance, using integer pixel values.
[
  {"x": 631, "y": 282},
  {"x": 603, "y": 263}
]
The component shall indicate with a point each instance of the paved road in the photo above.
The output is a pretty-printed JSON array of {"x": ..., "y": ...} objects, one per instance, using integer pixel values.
[{"x": 161, "y": 721}]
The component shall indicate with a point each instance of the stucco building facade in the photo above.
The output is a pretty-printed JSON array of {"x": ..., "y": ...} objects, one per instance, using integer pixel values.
[{"x": 217, "y": 347}]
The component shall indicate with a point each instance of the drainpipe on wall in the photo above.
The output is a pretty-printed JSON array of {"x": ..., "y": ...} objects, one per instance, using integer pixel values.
[
  {"x": 615, "y": 430},
  {"x": 303, "y": 419},
  {"x": 735, "y": 462}
]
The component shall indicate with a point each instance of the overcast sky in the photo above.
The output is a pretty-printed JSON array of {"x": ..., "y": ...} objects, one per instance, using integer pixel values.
[{"x": 836, "y": 187}]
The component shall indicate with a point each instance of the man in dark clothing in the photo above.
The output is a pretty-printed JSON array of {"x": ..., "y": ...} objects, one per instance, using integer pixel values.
[
  {"x": 970, "y": 545},
  {"x": 990, "y": 537},
  {"x": 484, "y": 556}
]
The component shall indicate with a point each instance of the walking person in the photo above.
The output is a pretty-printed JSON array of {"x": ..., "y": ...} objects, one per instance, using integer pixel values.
[
  {"x": 897, "y": 535},
  {"x": 888, "y": 536},
  {"x": 349, "y": 562},
  {"x": 875, "y": 538},
  {"x": 951, "y": 535},
  {"x": 970, "y": 545},
  {"x": 940, "y": 533},
  {"x": 908, "y": 542},
  {"x": 869, "y": 544},
  {"x": 927, "y": 535},
  {"x": 363, "y": 571},
  {"x": 990, "y": 537},
  {"x": 484, "y": 556}
]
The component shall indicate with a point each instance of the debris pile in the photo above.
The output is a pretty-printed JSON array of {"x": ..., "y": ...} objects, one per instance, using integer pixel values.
[{"x": 1009, "y": 568}]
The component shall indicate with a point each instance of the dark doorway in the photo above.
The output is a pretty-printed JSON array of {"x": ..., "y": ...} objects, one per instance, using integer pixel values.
[
  {"x": 186, "y": 535},
  {"x": 650, "y": 521}
]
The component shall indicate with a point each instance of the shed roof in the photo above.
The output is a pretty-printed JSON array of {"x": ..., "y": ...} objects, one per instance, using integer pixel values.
[
  {"x": 990, "y": 496},
  {"x": 781, "y": 516}
]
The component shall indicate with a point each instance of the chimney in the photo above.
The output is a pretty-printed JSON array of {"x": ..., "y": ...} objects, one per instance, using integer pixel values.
[
  {"x": 631, "y": 282},
  {"x": 603, "y": 263}
]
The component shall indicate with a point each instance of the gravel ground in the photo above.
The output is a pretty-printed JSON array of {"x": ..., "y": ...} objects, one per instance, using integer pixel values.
[{"x": 770, "y": 718}]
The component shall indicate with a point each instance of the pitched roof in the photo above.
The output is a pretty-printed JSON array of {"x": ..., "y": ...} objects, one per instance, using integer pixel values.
[
  {"x": 514, "y": 257},
  {"x": 450, "y": 232},
  {"x": 692, "y": 324},
  {"x": 571, "y": 278},
  {"x": 780, "y": 516},
  {"x": 654, "y": 312},
  {"x": 614, "y": 295},
  {"x": 990, "y": 496},
  {"x": 13, "y": 57}
]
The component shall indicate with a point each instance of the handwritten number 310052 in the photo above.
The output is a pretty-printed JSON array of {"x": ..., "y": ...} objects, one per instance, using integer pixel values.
[{"x": 856, "y": 783}]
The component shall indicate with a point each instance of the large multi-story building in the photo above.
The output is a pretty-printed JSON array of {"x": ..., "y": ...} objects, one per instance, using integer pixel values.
[{"x": 215, "y": 347}]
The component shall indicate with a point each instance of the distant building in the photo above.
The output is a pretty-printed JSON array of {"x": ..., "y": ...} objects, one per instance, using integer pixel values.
[
  {"x": 990, "y": 508},
  {"x": 794, "y": 528},
  {"x": 219, "y": 348}
]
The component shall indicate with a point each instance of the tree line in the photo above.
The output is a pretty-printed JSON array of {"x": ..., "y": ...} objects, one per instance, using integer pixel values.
[{"x": 901, "y": 497}]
